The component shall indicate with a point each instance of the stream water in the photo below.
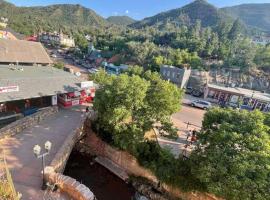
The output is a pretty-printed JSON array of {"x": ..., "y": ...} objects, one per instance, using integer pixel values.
[{"x": 104, "y": 184}]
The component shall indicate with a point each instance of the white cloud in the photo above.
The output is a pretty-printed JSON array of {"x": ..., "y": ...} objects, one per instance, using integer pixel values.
[{"x": 127, "y": 11}]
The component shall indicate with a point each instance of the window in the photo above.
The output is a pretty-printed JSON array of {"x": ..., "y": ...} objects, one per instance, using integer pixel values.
[{"x": 173, "y": 74}]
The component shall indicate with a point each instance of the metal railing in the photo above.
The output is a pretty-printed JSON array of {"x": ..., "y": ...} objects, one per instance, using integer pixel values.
[{"x": 193, "y": 125}]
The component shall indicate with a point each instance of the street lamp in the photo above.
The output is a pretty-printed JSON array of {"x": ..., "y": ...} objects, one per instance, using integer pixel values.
[{"x": 37, "y": 152}]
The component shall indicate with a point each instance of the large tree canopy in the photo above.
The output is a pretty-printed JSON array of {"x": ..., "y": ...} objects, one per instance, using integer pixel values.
[
  {"x": 130, "y": 104},
  {"x": 232, "y": 158}
]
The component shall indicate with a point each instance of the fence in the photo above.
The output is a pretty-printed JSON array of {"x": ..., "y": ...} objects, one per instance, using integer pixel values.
[
  {"x": 6, "y": 182},
  {"x": 194, "y": 125}
]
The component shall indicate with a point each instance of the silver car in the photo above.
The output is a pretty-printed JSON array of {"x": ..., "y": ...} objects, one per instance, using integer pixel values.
[{"x": 201, "y": 104}]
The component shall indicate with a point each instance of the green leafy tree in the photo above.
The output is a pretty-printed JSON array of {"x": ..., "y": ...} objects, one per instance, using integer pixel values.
[
  {"x": 81, "y": 42},
  {"x": 130, "y": 105},
  {"x": 262, "y": 58},
  {"x": 236, "y": 30},
  {"x": 232, "y": 157},
  {"x": 59, "y": 65}
]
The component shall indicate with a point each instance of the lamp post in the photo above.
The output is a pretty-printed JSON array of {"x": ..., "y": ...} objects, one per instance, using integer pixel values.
[{"x": 38, "y": 154}]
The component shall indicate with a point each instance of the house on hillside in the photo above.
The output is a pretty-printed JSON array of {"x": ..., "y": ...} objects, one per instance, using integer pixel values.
[
  {"x": 178, "y": 76},
  {"x": 262, "y": 40},
  {"x": 3, "y": 22},
  {"x": 94, "y": 55},
  {"x": 56, "y": 39}
]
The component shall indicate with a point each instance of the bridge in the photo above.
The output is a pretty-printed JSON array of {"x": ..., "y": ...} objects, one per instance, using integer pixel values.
[{"x": 25, "y": 168}]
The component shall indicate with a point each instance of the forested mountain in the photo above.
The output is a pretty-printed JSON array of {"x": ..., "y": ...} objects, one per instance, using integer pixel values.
[
  {"x": 27, "y": 20},
  {"x": 121, "y": 20},
  {"x": 201, "y": 10},
  {"x": 253, "y": 15}
]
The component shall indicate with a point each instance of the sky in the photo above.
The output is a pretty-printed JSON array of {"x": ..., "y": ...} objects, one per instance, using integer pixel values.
[{"x": 137, "y": 9}]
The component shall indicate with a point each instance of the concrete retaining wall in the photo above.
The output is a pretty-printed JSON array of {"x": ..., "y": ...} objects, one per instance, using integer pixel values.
[
  {"x": 53, "y": 173},
  {"x": 95, "y": 146},
  {"x": 29, "y": 121}
]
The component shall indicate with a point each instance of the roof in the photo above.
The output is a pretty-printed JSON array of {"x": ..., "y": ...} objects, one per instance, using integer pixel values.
[
  {"x": 114, "y": 59},
  {"x": 13, "y": 51},
  {"x": 16, "y": 34},
  {"x": 243, "y": 92},
  {"x": 36, "y": 81},
  {"x": 31, "y": 38},
  {"x": 7, "y": 35}
]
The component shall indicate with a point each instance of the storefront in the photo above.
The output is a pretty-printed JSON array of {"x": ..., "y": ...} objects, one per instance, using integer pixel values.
[
  {"x": 237, "y": 97},
  {"x": 25, "y": 90},
  {"x": 85, "y": 95}
]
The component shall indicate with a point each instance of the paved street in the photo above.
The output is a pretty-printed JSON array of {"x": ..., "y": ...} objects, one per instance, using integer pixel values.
[
  {"x": 187, "y": 114},
  {"x": 25, "y": 167},
  {"x": 71, "y": 65}
]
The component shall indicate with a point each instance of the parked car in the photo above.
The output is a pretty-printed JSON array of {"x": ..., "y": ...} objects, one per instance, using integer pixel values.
[
  {"x": 197, "y": 93},
  {"x": 93, "y": 71},
  {"x": 246, "y": 107},
  {"x": 201, "y": 104},
  {"x": 188, "y": 90}
]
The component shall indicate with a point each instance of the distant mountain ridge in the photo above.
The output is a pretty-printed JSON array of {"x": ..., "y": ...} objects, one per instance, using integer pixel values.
[
  {"x": 54, "y": 17},
  {"x": 253, "y": 15},
  {"x": 201, "y": 10},
  {"x": 68, "y": 17},
  {"x": 121, "y": 20}
]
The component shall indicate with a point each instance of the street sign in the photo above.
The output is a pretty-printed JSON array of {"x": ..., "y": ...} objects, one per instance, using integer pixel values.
[{"x": 7, "y": 89}]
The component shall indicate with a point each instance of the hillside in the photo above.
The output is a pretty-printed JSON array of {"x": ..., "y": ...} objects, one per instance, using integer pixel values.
[
  {"x": 201, "y": 10},
  {"x": 253, "y": 15},
  {"x": 121, "y": 20},
  {"x": 27, "y": 20}
]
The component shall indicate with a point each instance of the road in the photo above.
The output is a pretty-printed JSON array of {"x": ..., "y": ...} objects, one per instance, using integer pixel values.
[
  {"x": 70, "y": 64},
  {"x": 188, "y": 114}
]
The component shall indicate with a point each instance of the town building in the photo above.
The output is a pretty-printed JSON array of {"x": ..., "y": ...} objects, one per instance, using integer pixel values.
[
  {"x": 28, "y": 83},
  {"x": 7, "y": 35},
  {"x": 31, "y": 38},
  {"x": 235, "y": 96},
  {"x": 115, "y": 70},
  {"x": 262, "y": 40},
  {"x": 58, "y": 39},
  {"x": 178, "y": 76},
  {"x": 3, "y": 22},
  {"x": 21, "y": 52},
  {"x": 26, "y": 89}
]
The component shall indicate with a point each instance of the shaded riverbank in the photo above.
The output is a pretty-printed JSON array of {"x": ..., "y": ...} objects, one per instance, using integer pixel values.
[{"x": 104, "y": 184}]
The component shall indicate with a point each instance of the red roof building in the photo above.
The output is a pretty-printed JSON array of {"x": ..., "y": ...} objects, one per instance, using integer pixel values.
[{"x": 32, "y": 38}]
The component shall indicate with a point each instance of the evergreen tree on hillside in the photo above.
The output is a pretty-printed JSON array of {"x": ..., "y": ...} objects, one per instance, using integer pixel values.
[{"x": 236, "y": 30}]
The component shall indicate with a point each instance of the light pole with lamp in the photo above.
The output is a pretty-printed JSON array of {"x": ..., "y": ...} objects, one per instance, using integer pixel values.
[{"x": 37, "y": 152}]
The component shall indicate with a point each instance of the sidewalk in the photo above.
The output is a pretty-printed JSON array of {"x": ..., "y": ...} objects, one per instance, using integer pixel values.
[{"x": 24, "y": 166}]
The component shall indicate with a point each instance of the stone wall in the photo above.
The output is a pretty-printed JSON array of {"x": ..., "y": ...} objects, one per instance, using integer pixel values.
[
  {"x": 61, "y": 157},
  {"x": 74, "y": 189},
  {"x": 29, "y": 121},
  {"x": 53, "y": 173},
  {"x": 95, "y": 146}
]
